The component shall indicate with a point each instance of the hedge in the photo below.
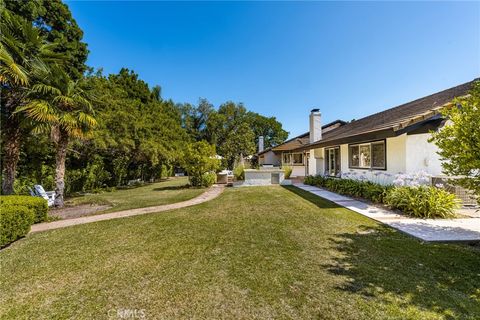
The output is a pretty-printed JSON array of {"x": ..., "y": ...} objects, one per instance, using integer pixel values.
[
  {"x": 355, "y": 188},
  {"x": 417, "y": 201},
  {"x": 37, "y": 204},
  {"x": 15, "y": 222}
]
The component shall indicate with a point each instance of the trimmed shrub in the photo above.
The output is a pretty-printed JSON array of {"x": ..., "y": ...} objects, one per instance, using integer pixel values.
[
  {"x": 15, "y": 222},
  {"x": 288, "y": 171},
  {"x": 205, "y": 180},
  {"x": 423, "y": 201},
  {"x": 37, "y": 204},
  {"x": 239, "y": 172},
  {"x": 208, "y": 179}
]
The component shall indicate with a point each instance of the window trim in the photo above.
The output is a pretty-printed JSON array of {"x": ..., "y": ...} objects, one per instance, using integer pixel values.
[{"x": 384, "y": 141}]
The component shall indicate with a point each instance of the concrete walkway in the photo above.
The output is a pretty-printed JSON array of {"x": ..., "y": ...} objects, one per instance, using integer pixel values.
[
  {"x": 467, "y": 229},
  {"x": 208, "y": 195}
]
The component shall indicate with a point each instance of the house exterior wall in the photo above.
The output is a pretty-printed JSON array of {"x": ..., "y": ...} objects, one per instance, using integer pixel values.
[
  {"x": 422, "y": 155},
  {"x": 404, "y": 154},
  {"x": 298, "y": 171}
]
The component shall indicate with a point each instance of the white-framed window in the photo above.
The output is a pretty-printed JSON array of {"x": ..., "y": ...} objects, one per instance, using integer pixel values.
[
  {"x": 292, "y": 159},
  {"x": 371, "y": 155}
]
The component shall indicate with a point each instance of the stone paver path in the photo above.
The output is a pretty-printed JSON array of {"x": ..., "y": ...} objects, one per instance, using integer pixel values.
[
  {"x": 208, "y": 195},
  {"x": 467, "y": 229}
]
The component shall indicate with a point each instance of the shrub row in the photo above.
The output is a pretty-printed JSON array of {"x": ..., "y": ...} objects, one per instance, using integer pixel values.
[
  {"x": 15, "y": 222},
  {"x": 355, "y": 188},
  {"x": 37, "y": 204},
  {"x": 417, "y": 201},
  {"x": 423, "y": 201}
]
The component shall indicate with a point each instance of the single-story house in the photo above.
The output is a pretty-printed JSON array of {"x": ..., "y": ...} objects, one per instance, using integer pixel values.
[
  {"x": 283, "y": 154},
  {"x": 376, "y": 147}
]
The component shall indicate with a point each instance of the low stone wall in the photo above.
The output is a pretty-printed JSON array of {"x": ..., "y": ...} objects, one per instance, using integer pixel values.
[{"x": 263, "y": 177}]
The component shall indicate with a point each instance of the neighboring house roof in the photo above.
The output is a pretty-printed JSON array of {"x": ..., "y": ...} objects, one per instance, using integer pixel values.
[
  {"x": 301, "y": 140},
  {"x": 392, "y": 122}
]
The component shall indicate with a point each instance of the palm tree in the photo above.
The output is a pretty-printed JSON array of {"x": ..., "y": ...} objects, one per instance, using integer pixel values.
[
  {"x": 64, "y": 108},
  {"x": 23, "y": 56}
]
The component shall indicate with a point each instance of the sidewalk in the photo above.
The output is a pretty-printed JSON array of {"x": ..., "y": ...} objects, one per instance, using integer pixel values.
[
  {"x": 467, "y": 229},
  {"x": 208, "y": 195}
]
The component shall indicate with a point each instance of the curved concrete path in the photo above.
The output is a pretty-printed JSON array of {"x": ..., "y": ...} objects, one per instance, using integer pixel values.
[{"x": 208, "y": 195}]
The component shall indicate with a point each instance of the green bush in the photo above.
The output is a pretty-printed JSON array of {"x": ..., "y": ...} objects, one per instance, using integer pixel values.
[
  {"x": 15, "y": 222},
  {"x": 208, "y": 179},
  {"x": 37, "y": 204},
  {"x": 423, "y": 201},
  {"x": 355, "y": 188},
  {"x": 239, "y": 172},
  {"x": 199, "y": 160},
  {"x": 205, "y": 180},
  {"x": 288, "y": 171}
]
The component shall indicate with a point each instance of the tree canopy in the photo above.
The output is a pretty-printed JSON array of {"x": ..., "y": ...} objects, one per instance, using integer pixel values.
[{"x": 459, "y": 140}]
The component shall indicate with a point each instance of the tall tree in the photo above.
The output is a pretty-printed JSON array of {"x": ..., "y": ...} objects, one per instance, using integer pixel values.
[
  {"x": 231, "y": 132},
  {"x": 269, "y": 128},
  {"x": 23, "y": 56},
  {"x": 54, "y": 21},
  {"x": 459, "y": 140},
  {"x": 195, "y": 118},
  {"x": 67, "y": 104}
]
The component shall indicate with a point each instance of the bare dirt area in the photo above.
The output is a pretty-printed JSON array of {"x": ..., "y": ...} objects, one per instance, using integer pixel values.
[{"x": 77, "y": 211}]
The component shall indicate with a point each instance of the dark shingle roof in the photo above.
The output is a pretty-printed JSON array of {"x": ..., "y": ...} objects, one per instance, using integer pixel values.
[
  {"x": 301, "y": 140},
  {"x": 392, "y": 119}
]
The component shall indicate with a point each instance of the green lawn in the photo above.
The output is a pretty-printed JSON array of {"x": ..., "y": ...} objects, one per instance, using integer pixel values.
[
  {"x": 154, "y": 194},
  {"x": 259, "y": 252}
]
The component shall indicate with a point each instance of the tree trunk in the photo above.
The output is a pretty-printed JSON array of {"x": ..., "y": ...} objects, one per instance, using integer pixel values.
[
  {"x": 60, "y": 168},
  {"x": 11, "y": 153}
]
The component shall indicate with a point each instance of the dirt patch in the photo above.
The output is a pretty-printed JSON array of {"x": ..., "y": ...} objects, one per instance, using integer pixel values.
[{"x": 77, "y": 211}]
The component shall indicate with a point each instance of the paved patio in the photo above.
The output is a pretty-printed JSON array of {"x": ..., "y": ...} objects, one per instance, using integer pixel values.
[{"x": 465, "y": 229}]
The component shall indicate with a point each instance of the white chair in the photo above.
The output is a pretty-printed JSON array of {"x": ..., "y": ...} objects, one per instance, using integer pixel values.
[{"x": 47, "y": 195}]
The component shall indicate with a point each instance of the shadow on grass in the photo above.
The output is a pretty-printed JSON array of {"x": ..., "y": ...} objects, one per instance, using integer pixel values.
[
  {"x": 316, "y": 200},
  {"x": 186, "y": 186},
  {"x": 381, "y": 263}
]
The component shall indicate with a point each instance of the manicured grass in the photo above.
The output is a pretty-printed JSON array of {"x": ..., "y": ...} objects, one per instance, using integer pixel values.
[
  {"x": 260, "y": 252},
  {"x": 155, "y": 194}
]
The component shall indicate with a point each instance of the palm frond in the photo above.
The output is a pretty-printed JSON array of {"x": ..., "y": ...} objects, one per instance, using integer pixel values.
[{"x": 40, "y": 111}]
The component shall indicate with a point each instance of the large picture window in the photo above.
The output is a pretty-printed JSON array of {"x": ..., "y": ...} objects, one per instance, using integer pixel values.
[
  {"x": 370, "y": 155},
  {"x": 293, "y": 159}
]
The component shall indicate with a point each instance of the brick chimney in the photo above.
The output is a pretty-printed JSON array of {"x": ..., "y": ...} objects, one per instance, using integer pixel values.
[{"x": 315, "y": 125}]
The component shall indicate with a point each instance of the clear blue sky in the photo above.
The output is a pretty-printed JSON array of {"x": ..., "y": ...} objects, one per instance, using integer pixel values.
[{"x": 349, "y": 59}]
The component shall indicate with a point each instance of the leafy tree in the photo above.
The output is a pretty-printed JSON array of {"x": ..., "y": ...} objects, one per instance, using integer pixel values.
[
  {"x": 230, "y": 131},
  {"x": 55, "y": 23},
  {"x": 269, "y": 128},
  {"x": 23, "y": 55},
  {"x": 139, "y": 135},
  {"x": 459, "y": 140},
  {"x": 195, "y": 118},
  {"x": 199, "y": 161}
]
